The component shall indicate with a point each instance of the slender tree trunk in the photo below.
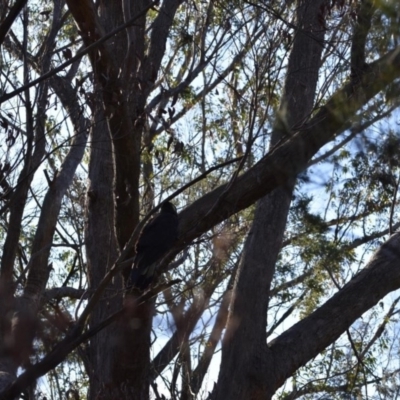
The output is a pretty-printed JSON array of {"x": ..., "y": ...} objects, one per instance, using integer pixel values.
[
  {"x": 247, "y": 369},
  {"x": 101, "y": 245},
  {"x": 131, "y": 371},
  {"x": 122, "y": 360}
]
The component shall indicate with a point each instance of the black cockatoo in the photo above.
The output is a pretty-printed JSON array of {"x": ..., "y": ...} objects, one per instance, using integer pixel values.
[{"x": 155, "y": 240}]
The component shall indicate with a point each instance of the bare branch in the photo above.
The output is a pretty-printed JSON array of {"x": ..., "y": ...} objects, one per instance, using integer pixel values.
[
  {"x": 77, "y": 56},
  {"x": 310, "y": 336},
  {"x": 291, "y": 156},
  {"x": 9, "y": 20}
]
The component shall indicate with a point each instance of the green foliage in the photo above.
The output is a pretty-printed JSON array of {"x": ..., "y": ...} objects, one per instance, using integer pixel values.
[{"x": 343, "y": 203}]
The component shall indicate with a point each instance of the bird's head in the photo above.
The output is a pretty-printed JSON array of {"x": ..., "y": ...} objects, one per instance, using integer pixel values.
[{"x": 168, "y": 207}]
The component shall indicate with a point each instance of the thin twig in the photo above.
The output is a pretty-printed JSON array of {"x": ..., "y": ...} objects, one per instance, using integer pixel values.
[
  {"x": 73, "y": 339},
  {"x": 78, "y": 55}
]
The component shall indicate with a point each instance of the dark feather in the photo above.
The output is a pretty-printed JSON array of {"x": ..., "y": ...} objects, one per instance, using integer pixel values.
[{"x": 154, "y": 242}]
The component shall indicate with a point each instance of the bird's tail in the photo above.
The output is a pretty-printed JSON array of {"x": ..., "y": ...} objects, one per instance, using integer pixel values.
[{"x": 140, "y": 279}]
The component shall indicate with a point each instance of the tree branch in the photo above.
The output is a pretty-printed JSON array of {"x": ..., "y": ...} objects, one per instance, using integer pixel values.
[
  {"x": 77, "y": 56},
  {"x": 361, "y": 29},
  {"x": 309, "y": 337},
  {"x": 73, "y": 339},
  {"x": 12, "y": 15},
  {"x": 291, "y": 156}
]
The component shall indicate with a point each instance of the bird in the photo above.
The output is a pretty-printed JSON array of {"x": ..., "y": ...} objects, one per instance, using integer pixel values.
[{"x": 154, "y": 242}]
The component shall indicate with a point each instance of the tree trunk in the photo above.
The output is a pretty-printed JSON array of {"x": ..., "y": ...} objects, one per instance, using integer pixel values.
[
  {"x": 247, "y": 369},
  {"x": 101, "y": 245}
]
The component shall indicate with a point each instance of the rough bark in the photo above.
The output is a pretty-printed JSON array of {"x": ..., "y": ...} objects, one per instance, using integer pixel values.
[
  {"x": 126, "y": 123},
  {"x": 292, "y": 156},
  {"x": 125, "y": 76},
  {"x": 365, "y": 12},
  {"x": 380, "y": 277},
  {"x": 284, "y": 159},
  {"x": 101, "y": 250},
  {"x": 246, "y": 363}
]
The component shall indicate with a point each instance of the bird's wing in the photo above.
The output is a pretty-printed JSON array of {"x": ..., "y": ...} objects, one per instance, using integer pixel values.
[
  {"x": 161, "y": 229},
  {"x": 156, "y": 238}
]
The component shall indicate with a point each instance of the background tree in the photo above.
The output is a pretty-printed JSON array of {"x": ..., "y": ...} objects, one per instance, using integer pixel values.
[{"x": 271, "y": 126}]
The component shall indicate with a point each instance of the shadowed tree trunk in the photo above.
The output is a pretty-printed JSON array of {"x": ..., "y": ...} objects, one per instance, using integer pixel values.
[
  {"x": 130, "y": 91},
  {"x": 246, "y": 366},
  {"x": 101, "y": 244},
  {"x": 125, "y": 76}
]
